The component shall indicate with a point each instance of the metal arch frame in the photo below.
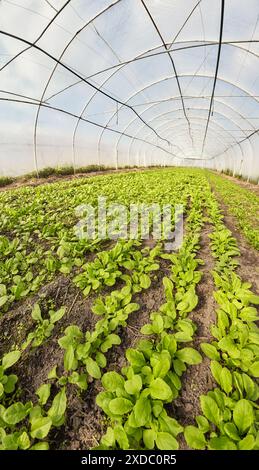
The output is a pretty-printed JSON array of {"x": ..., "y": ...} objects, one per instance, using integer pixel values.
[
  {"x": 171, "y": 126},
  {"x": 107, "y": 79},
  {"x": 74, "y": 73},
  {"x": 38, "y": 38},
  {"x": 201, "y": 109},
  {"x": 170, "y": 78},
  {"x": 176, "y": 156},
  {"x": 171, "y": 62},
  {"x": 190, "y": 75},
  {"x": 53, "y": 108},
  {"x": 203, "y": 119},
  {"x": 142, "y": 56},
  {"x": 180, "y": 124},
  {"x": 204, "y": 161},
  {"x": 216, "y": 72},
  {"x": 53, "y": 72},
  {"x": 256, "y": 131},
  {"x": 219, "y": 137},
  {"x": 185, "y": 75},
  {"x": 164, "y": 101},
  {"x": 10, "y": 35},
  {"x": 118, "y": 68}
]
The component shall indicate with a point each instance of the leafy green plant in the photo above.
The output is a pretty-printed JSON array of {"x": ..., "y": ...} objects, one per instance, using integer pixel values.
[
  {"x": 7, "y": 382},
  {"x": 26, "y": 426},
  {"x": 44, "y": 327}
]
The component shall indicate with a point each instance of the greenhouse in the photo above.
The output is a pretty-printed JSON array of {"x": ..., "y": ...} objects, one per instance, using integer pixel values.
[{"x": 129, "y": 232}]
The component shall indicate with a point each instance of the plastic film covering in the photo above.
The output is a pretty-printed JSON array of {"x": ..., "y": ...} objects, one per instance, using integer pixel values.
[{"x": 129, "y": 82}]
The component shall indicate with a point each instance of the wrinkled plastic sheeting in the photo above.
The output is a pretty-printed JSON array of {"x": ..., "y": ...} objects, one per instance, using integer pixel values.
[{"x": 127, "y": 82}]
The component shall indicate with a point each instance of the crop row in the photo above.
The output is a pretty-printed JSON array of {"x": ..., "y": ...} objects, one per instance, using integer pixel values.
[
  {"x": 136, "y": 400},
  {"x": 230, "y": 413},
  {"x": 242, "y": 203}
]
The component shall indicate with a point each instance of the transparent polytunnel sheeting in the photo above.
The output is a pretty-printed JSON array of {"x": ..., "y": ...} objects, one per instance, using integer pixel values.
[{"x": 129, "y": 82}]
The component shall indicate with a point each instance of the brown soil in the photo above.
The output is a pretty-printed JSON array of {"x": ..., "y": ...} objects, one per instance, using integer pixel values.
[{"x": 197, "y": 380}]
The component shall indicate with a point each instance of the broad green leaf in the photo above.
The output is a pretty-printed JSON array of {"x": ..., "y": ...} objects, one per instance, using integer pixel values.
[
  {"x": 146, "y": 329},
  {"x": 120, "y": 406},
  {"x": 210, "y": 409},
  {"x": 216, "y": 369},
  {"x": 10, "y": 359},
  {"x": 135, "y": 358},
  {"x": 160, "y": 390},
  {"x": 43, "y": 393},
  {"x": 3, "y": 300},
  {"x": 243, "y": 415},
  {"x": 112, "y": 380},
  {"x": 53, "y": 373},
  {"x": 203, "y": 423},
  {"x": 133, "y": 385},
  {"x": 142, "y": 411},
  {"x": 210, "y": 351},
  {"x": 40, "y": 446},
  {"x": 189, "y": 356},
  {"x": 100, "y": 359},
  {"x": 226, "y": 344},
  {"x": 249, "y": 314},
  {"x": 254, "y": 369},
  {"x": 231, "y": 431},
  {"x": 58, "y": 407},
  {"x": 247, "y": 443},
  {"x": 15, "y": 413},
  {"x": 24, "y": 441},
  {"x": 249, "y": 386},
  {"x": 40, "y": 427},
  {"x": 121, "y": 437},
  {"x": 149, "y": 436},
  {"x": 69, "y": 358},
  {"x": 168, "y": 424},
  {"x": 179, "y": 367},
  {"x": 226, "y": 380},
  {"x": 9, "y": 385},
  {"x": 108, "y": 439},
  {"x": 109, "y": 342},
  {"x": 2, "y": 290},
  {"x": 162, "y": 366},
  {"x": 36, "y": 313},
  {"x": 195, "y": 438},
  {"x": 145, "y": 281},
  {"x": 92, "y": 368},
  {"x": 56, "y": 316},
  {"x": 166, "y": 441},
  {"x": 221, "y": 443},
  {"x": 157, "y": 324},
  {"x": 131, "y": 308}
]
